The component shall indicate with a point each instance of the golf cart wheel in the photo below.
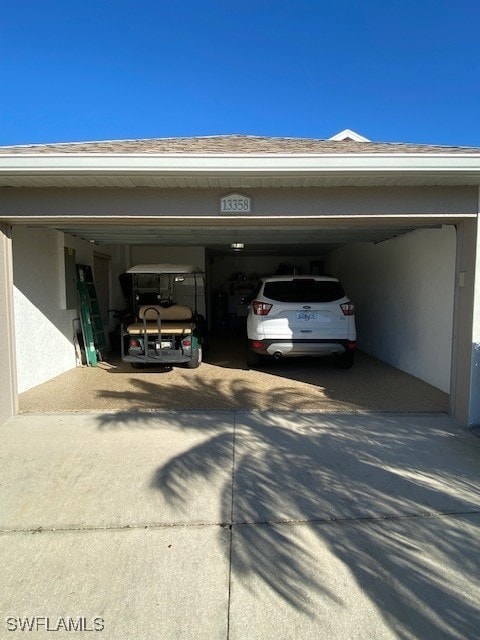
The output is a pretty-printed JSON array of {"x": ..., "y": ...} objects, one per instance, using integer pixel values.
[{"x": 196, "y": 358}]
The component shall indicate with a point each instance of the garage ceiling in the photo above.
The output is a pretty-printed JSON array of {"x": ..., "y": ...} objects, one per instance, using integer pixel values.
[{"x": 300, "y": 237}]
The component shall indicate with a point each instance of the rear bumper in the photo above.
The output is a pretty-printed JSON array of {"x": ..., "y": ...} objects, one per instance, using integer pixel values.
[
  {"x": 165, "y": 357},
  {"x": 294, "y": 348},
  {"x": 164, "y": 350},
  {"x": 157, "y": 359}
]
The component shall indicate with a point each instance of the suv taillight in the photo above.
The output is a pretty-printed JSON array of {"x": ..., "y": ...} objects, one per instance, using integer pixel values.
[
  {"x": 261, "y": 308},
  {"x": 348, "y": 309}
]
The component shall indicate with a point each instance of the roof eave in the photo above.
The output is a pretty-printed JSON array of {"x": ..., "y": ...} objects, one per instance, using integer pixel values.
[
  {"x": 353, "y": 168},
  {"x": 238, "y": 163}
]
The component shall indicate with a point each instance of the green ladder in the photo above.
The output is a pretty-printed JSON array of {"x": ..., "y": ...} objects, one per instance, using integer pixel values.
[{"x": 91, "y": 318}]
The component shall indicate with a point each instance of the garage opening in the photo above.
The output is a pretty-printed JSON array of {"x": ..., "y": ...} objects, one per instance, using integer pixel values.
[{"x": 400, "y": 277}]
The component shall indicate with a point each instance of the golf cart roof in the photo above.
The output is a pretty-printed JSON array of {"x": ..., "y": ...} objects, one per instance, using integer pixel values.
[{"x": 165, "y": 268}]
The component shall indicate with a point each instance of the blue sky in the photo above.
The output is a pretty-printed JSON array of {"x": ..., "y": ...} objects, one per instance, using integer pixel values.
[{"x": 402, "y": 70}]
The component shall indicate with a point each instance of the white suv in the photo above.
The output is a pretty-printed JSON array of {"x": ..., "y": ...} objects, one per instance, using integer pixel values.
[{"x": 301, "y": 316}]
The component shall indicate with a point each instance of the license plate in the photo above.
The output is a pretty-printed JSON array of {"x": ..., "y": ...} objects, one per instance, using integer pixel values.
[
  {"x": 164, "y": 345},
  {"x": 306, "y": 316}
]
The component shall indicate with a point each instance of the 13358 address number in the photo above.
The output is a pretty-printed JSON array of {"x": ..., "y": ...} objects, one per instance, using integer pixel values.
[{"x": 235, "y": 203}]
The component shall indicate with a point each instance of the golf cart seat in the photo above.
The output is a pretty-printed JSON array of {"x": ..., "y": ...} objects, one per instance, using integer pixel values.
[{"x": 174, "y": 320}]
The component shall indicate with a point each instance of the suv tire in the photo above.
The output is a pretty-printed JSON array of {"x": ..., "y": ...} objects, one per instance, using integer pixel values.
[
  {"x": 254, "y": 359},
  {"x": 345, "y": 360}
]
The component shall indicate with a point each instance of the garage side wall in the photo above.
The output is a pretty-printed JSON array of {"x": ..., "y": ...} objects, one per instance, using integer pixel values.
[
  {"x": 403, "y": 290},
  {"x": 43, "y": 326}
]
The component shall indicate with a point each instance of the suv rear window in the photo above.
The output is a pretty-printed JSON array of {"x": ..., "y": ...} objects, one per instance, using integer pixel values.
[{"x": 301, "y": 290}]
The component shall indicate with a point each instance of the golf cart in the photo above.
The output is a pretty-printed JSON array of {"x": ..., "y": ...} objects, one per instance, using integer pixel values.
[{"x": 163, "y": 328}]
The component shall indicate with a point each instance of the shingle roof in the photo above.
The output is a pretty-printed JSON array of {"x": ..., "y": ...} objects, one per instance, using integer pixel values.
[{"x": 232, "y": 144}]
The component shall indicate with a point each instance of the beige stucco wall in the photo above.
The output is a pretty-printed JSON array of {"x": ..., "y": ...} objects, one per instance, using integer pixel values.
[
  {"x": 465, "y": 395},
  {"x": 265, "y": 202},
  {"x": 8, "y": 383}
]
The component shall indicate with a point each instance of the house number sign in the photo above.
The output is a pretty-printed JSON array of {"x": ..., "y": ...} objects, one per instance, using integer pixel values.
[{"x": 235, "y": 203}]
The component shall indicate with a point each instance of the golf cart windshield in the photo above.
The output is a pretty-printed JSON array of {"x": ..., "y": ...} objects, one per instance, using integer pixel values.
[{"x": 168, "y": 283}]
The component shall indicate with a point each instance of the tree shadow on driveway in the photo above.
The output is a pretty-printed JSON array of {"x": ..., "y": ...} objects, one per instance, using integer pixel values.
[{"x": 396, "y": 499}]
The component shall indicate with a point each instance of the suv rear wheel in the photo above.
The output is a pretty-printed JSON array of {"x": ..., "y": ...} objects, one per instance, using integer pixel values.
[
  {"x": 254, "y": 359},
  {"x": 345, "y": 360}
]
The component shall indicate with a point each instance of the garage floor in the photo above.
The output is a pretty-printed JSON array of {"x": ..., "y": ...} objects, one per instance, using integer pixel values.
[{"x": 224, "y": 382}]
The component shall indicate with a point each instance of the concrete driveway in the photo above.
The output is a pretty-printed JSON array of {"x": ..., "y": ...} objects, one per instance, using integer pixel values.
[{"x": 241, "y": 525}]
